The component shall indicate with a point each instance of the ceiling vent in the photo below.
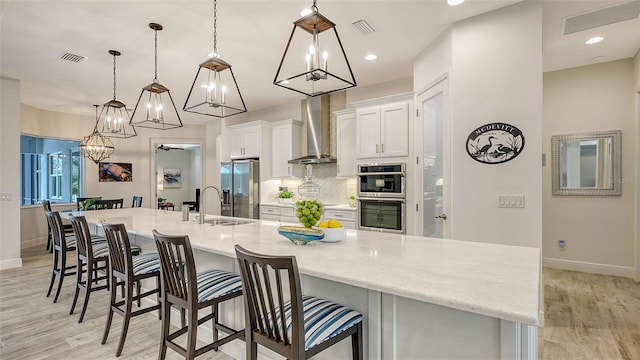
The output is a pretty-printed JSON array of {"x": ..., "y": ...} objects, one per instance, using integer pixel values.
[
  {"x": 364, "y": 27},
  {"x": 605, "y": 16},
  {"x": 72, "y": 57}
]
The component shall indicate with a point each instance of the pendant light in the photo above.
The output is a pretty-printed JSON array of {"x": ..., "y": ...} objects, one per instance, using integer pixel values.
[
  {"x": 114, "y": 117},
  {"x": 214, "y": 91},
  {"x": 96, "y": 147},
  {"x": 314, "y": 61},
  {"x": 158, "y": 112}
]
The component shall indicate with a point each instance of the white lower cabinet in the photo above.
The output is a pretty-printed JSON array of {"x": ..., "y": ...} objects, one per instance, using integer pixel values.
[
  {"x": 346, "y": 217},
  {"x": 280, "y": 213}
]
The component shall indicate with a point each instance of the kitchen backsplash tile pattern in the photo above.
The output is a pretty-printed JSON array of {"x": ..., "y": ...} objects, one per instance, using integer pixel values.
[{"x": 332, "y": 189}]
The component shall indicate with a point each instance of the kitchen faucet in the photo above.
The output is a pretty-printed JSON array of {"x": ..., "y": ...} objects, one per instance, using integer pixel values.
[{"x": 200, "y": 200}]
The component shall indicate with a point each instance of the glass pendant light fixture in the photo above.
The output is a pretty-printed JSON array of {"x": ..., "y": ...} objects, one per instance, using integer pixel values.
[
  {"x": 155, "y": 111},
  {"x": 96, "y": 147},
  {"x": 214, "y": 91},
  {"x": 314, "y": 61},
  {"x": 114, "y": 117}
]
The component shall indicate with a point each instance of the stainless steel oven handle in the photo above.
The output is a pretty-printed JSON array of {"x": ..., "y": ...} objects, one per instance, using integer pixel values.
[
  {"x": 383, "y": 173},
  {"x": 382, "y": 199}
]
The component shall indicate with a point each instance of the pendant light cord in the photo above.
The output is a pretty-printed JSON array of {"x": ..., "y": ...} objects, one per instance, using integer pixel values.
[
  {"x": 215, "y": 28},
  {"x": 314, "y": 7},
  {"x": 155, "y": 56},
  {"x": 114, "y": 76}
]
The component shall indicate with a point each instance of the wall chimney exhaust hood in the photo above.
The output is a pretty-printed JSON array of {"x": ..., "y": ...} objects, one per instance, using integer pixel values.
[{"x": 318, "y": 132}]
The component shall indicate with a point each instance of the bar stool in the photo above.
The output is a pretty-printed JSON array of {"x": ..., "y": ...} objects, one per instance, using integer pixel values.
[
  {"x": 46, "y": 204},
  {"x": 136, "y": 202},
  {"x": 61, "y": 244},
  {"x": 309, "y": 325},
  {"x": 128, "y": 270},
  {"x": 186, "y": 290}
]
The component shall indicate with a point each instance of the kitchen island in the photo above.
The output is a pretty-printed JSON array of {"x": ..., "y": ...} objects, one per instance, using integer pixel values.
[{"x": 423, "y": 298}]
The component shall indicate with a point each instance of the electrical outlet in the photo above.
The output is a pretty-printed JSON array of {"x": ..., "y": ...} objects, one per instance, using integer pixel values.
[
  {"x": 5, "y": 196},
  {"x": 510, "y": 201}
]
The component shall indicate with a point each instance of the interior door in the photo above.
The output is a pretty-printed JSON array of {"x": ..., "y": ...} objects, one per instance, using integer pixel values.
[{"x": 434, "y": 216}]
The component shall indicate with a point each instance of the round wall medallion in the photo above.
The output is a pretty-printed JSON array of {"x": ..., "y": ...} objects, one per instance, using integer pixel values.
[{"x": 495, "y": 143}]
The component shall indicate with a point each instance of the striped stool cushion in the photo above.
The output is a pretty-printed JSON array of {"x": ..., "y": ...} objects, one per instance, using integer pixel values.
[
  {"x": 70, "y": 240},
  {"x": 100, "y": 249},
  {"x": 146, "y": 263},
  {"x": 216, "y": 283},
  {"x": 323, "y": 320}
]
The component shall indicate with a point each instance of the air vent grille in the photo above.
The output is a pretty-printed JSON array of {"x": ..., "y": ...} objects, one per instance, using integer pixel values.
[
  {"x": 364, "y": 27},
  {"x": 72, "y": 57},
  {"x": 601, "y": 17}
]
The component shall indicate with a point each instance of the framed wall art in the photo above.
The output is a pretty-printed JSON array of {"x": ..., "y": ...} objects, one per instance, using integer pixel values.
[
  {"x": 171, "y": 177},
  {"x": 111, "y": 171}
]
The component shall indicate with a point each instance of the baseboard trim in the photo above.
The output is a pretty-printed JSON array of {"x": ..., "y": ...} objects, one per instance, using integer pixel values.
[
  {"x": 10, "y": 263},
  {"x": 588, "y": 267}
]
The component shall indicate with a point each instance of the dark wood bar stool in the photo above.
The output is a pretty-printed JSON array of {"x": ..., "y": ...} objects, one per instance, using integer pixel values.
[
  {"x": 46, "y": 204},
  {"x": 190, "y": 292},
  {"x": 136, "y": 202},
  {"x": 61, "y": 244},
  {"x": 309, "y": 325},
  {"x": 129, "y": 270},
  {"x": 88, "y": 259},
  {"x": 109, "y": 204}
]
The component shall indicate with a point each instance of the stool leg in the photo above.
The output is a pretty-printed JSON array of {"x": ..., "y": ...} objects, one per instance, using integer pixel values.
[
  {"x": 192, "y": 333},
  {"x": 53, "y": 272},
  {"x": 166, "y": 323},
  {"x": 128, "y": 303},
  {"x": 63, "y": 265},
  {"x": 112, "y": 301},
  {"x": 87, "y": 291},
  {"x": 356, "y": 343},
  {"x": 214, "y": 309},
  {"x": 78, "y": 284}
]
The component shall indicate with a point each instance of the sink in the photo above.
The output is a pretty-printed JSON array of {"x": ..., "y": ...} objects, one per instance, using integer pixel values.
[{"x": 227, "y": 222}]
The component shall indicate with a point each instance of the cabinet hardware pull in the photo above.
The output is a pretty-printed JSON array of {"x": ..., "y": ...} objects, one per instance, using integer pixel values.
[
  {"x": 377, "y": 148},
  {"x": 382, "y": 148}
]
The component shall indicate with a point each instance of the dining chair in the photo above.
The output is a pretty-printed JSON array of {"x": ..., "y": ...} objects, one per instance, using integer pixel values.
[
  {"x": 46, "y": 204},
  {"x": 128, "y": 270},
  {"x": 88, "y": 259},
  {"x": 61, "y": 244},
  {"x": 109, "y": 204},
  {"x": 137, "y": 202},
  {"x": 284, "y": 320},
  {"x": 189, "y": 291}
]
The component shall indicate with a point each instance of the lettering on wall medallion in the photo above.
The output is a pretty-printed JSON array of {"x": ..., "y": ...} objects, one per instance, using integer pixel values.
[{"x": 495, "y": 143}]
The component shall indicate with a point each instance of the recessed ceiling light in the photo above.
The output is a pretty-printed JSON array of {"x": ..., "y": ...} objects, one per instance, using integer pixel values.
[
  {"x": 305, "y": 12},
  {"x": 594, "y": 40},
  {"x": 371, "y": 57},
  {"x": 454, "y": 2}
]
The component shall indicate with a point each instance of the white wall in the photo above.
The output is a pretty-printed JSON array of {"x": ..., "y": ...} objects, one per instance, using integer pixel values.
[
  {"x": 599, "y": 231},
  {"x": 492, "y": 81},
  {"x": 636, "y": 87},
  {"x": 9, "y": 176}
]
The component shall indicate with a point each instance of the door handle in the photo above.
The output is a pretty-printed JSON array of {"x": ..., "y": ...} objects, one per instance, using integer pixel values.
[
  {"x": 377, "y": 148},
  {"x": 443, "y": 217}
]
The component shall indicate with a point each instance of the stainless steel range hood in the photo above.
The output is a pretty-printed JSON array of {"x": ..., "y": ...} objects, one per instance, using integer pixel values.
[{"x": 318, "y": 132}]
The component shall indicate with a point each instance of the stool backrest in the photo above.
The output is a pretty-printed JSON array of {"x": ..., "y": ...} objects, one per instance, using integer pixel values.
[
  {"x": 81, "y": 231},
  {"x": 177, "y": 268},
  {"x": 57, "y": 229},
  {"x": 80, "y": 201},
  {"x": 46, "y": 204},
  {"x": 120, "y": 258},
  {"x": 109, "y": 204},
  {"x": 264, "y": 281},
  {"x": 137, "y": 202}
]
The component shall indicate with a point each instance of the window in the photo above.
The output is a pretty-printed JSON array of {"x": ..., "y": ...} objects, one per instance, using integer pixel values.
[{"x": 49, "y": 169}]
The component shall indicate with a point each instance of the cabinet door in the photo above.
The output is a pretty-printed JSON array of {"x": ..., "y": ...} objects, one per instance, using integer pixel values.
[
  {"x": 237, "y": 144},
  {"x": 368, "y": 133},
  {"x": 252, "y": 142},
  {"x": 281, "y": 151},
  {"x": 394, "y": 131},
  {"x": 346, "y": 148}
]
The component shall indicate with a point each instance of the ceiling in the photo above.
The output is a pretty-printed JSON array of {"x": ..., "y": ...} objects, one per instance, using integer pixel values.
[{"x": 251, "y": 37}]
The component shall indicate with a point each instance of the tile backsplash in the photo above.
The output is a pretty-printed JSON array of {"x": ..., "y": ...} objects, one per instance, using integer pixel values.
[{"x": 332, "y": 190}]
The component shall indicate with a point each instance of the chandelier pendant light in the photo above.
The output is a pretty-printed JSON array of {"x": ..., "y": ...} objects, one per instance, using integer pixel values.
[
  {"x": 159, "y": 112},
  {"x": 215, "y": 91},
  {"x": 314, "y": 61},
  {"x": 96, "y": 147},
  {"x": 114, "y": 117}
]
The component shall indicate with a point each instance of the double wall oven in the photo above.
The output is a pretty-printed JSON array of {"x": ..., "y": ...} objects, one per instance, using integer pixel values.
[{"x": 381, "y": 197}]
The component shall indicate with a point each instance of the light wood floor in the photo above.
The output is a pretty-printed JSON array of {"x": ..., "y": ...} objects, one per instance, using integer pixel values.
[
  {"x": 33, "y": 327},
  {"x": 586, "y": 317}
]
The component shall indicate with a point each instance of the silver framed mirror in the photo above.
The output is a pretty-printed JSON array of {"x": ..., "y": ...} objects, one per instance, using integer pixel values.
[{"x": 586, "y": 164}]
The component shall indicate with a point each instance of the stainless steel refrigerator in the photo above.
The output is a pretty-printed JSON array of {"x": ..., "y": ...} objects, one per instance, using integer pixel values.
[{"x": 240, "y": 182}]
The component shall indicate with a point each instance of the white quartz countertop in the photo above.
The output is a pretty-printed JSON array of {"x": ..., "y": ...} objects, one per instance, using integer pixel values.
[{"x": 495, "y": 280}]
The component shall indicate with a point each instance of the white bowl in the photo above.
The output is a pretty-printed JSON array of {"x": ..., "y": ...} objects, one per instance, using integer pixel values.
[{"x": 332, "y": 234}]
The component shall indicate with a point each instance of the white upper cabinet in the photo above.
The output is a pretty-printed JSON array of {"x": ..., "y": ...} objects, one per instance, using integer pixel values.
[
  {"x": 245, "y": 142},
  {"x": 382, "y": 129},
  {"x": 346, "y": 145},
  {"x": 285, "y": 145}
]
